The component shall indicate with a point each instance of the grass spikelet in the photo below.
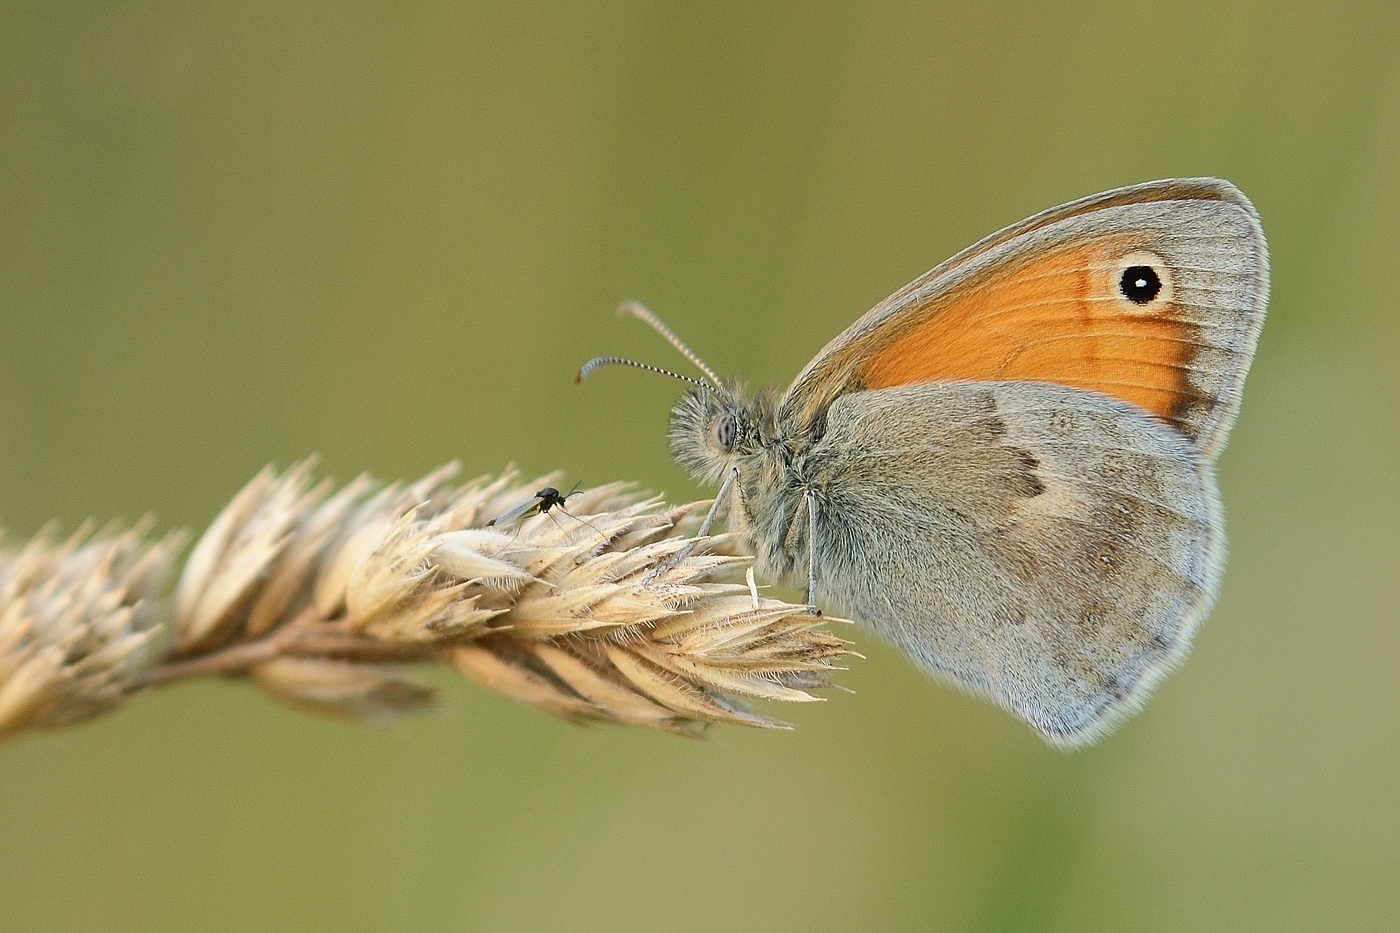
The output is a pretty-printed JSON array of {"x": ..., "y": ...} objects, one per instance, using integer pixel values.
[
  {"x": 600, "y": 608},
  {"x": 77, "y": 622}
]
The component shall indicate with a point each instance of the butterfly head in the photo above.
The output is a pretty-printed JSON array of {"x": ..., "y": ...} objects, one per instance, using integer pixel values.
[
  {"x": 712, "y": 431},
  {"x": 716, "y": 423}
]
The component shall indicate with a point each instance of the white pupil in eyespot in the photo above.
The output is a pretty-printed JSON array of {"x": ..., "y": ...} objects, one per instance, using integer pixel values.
[{"x": 1140, "y": 284}]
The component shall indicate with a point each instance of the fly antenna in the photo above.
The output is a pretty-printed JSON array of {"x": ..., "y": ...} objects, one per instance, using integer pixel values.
[
  {"x": 587, "y": 368},
  {"x": 641, "y": 312}
]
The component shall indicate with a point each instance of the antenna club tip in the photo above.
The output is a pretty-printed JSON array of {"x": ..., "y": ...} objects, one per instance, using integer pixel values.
[{"x": 631, "y": 309}]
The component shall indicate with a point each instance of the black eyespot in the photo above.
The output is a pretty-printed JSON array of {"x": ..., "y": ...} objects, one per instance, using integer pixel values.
[
  {"x": 1140, "y": 284},
  {"x": 725, "y": 432}
]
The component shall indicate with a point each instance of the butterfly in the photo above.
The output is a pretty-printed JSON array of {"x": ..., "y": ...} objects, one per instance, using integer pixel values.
[{"x": 1006, "y": 468}]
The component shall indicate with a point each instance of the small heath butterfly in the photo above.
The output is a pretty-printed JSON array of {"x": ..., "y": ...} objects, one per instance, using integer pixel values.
[{"x": 1006, "y": 468}]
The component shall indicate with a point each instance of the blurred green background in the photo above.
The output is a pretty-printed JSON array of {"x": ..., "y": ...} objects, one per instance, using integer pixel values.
[{"x": 245, "y": 232}]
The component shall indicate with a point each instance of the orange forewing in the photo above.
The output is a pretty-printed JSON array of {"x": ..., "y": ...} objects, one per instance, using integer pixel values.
[{"x": 1054, "y": 318}]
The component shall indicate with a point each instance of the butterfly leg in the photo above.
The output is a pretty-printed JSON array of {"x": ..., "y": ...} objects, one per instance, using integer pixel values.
[
  {"x": 714, "y": 506},
  {"x": 705, "y": 526},
  {"x": 811, "y": 497}
]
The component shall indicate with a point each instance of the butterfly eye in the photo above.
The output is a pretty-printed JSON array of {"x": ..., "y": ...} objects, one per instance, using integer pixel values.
[
  {"x": 724, "y": 433},
  {"x": 1144, "y": 280}
]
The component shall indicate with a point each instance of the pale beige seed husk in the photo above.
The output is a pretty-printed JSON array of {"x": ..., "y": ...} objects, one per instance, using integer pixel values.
[
  {"x": 77, "y": 622},
  {"x": 366, "y": 692},
  {"x": 602, "y": 609}
]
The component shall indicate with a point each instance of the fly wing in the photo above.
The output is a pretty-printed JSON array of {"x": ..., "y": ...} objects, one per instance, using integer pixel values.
[{"x": 516, "y": 512}]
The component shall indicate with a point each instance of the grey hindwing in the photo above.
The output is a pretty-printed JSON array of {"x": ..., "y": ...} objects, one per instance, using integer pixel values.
[{"x": 1050, "y": 548}]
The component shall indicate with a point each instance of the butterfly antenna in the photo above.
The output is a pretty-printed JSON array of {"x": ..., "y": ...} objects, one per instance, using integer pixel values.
[
  {"x": 643, "y": 313},
  {"x": 587, "y": 369}
]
